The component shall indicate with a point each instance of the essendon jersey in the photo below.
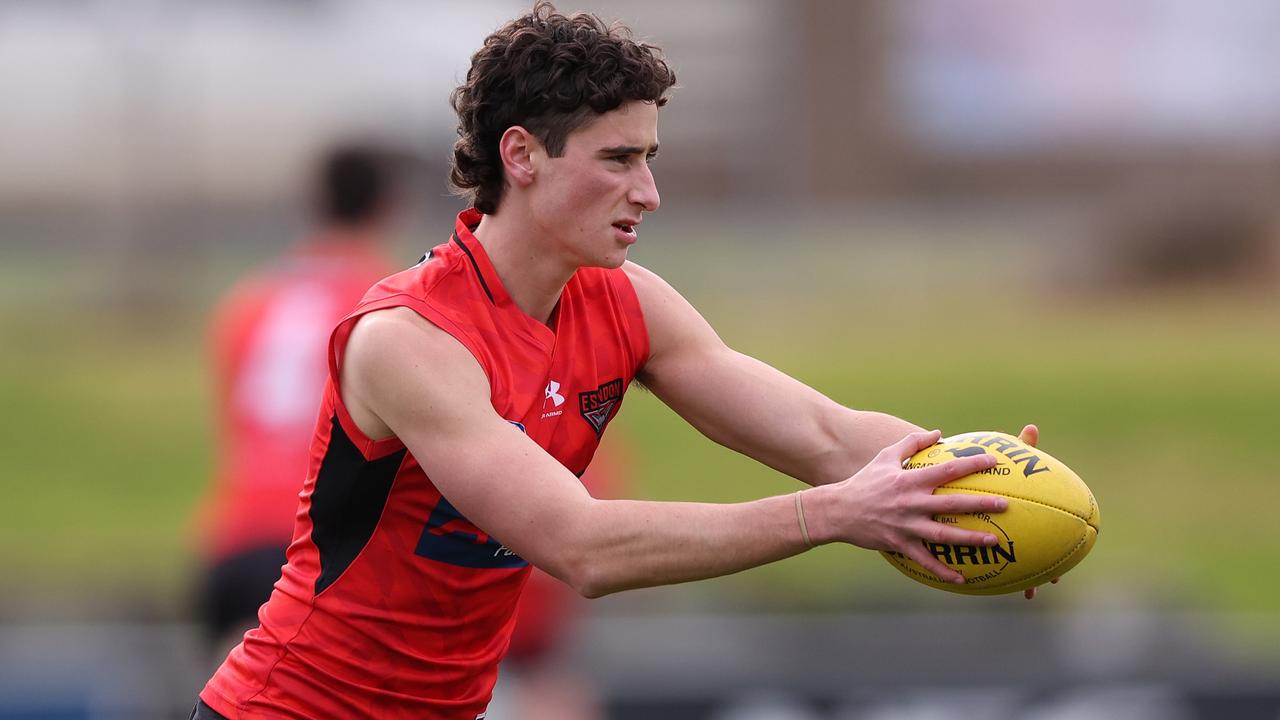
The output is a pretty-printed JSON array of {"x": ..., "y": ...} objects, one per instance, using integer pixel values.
[{"x": 392, "y": 604}]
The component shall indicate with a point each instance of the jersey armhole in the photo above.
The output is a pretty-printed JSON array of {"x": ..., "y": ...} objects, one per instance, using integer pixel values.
[{"x": 370, "y": 448}]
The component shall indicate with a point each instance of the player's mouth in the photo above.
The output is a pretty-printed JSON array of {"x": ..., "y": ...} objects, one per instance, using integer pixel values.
[{"x": 626, "y": 231}]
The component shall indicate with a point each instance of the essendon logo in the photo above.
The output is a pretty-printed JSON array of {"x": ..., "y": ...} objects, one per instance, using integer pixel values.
[{"x": 597, "y": 405}]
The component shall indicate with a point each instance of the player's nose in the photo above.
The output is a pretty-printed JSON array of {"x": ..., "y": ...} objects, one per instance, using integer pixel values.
[{"x": 644, "y": 191}]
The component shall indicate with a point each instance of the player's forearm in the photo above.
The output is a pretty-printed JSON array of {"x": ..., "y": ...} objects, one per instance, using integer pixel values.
[
  {"x": 777, "y": 420},
  {"x": 825, "y": 442},
  {"x": 845, "y": 440},
  {"x": 624, "y": 544}
]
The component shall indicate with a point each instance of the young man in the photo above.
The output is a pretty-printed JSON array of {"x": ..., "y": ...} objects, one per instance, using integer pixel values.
[{"x": 467, "y": 395}]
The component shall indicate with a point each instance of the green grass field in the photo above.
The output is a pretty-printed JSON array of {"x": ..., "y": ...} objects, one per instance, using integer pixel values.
[{"x": 1164, "y": 403}]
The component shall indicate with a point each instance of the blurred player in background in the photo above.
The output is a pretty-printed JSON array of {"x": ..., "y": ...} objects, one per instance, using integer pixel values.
[{"x": 268, "y": 356}]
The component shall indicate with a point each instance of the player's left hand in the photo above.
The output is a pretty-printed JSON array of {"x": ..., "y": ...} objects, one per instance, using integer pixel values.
[{"x": 1031, "y": 436}]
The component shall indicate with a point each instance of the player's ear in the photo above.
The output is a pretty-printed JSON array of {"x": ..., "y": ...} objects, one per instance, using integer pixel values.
[{"x": 518, "y": 148}]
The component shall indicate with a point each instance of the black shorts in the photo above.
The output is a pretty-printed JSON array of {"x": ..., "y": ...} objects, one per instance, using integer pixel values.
[
  {"x": 204, "y": 712},
  {"x": 235, "y": 587}
]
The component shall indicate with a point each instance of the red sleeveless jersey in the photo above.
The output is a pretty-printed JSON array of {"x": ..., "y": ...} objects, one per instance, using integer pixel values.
[{"x": 392, "y": 604}]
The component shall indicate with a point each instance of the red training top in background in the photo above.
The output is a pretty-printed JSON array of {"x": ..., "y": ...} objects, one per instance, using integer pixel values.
[{"x": 268, "y": 345}]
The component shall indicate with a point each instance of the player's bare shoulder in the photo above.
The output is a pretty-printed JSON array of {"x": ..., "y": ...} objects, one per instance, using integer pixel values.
[
  {"x": 676, "y": 329},
  {"x": 377, "y": 335},
  {"x": 641, "y": 277},
  {"x": 394, "y": 356},
  {"x": 656, "y": 295}
]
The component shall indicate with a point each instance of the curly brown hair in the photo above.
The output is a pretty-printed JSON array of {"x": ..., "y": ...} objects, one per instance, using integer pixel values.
[{"x": 549, "y": 74}]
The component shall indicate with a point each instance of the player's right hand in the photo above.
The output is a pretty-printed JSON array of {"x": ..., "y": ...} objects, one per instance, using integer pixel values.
[{"x": 886, "y": 506}]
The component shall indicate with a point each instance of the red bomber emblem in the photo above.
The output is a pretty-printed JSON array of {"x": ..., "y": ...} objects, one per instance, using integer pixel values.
[{"x": 597, "y": 405}]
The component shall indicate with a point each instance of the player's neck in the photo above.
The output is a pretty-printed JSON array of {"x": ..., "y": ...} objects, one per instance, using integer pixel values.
[{"x": 531, "y": 272}]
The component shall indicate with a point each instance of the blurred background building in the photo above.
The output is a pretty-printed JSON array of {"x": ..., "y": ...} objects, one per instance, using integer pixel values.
[{"x": 973, "y": 214}]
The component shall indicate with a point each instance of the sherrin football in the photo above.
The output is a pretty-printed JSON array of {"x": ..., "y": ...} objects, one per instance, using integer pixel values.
[{"x": 1051, "y": 523}]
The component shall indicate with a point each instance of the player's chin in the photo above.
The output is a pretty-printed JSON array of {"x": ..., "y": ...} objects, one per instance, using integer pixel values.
[{"x": 613, "y": 260}]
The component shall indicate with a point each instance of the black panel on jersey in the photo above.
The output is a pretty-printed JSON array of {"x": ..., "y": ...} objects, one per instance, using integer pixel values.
[
  {"x": 476, "y": 267},
  {"x": 347, "y": 501}
]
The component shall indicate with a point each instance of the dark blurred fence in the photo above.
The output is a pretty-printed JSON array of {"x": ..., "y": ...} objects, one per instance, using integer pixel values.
[{"x": 1019, "y": 665}]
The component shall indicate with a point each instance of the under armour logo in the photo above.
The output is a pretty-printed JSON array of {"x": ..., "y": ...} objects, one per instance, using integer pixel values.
[{"x": 552, "y": 393}]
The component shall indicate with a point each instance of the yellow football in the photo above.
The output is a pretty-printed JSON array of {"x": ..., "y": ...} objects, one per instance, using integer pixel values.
[{"x": 1051, "y": 523}]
